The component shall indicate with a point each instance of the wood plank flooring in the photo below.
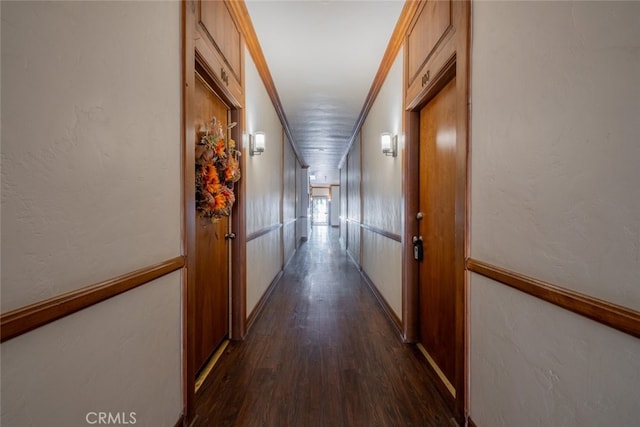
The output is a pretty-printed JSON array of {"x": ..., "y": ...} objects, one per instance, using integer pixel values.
[{"x": 322, "y": 353}]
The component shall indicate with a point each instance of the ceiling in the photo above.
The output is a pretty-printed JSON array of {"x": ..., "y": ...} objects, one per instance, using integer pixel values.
[{"x": 323, "y": 57}]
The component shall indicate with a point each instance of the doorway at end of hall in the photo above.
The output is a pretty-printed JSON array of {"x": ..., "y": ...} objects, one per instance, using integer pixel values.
[{"x": 320, "y": 211}]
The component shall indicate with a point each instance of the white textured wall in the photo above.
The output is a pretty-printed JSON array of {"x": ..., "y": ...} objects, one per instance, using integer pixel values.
[
  {"x": 535, "y": 364},
  {"x": 381, "y": 174},
  {"x": 302, "y": 204},
  {"x": 343, "y": 206},
  {"x": 382, "y": 190},
  {"x": 555, "y": 156},
  {"x": 289, "y": 201},
  {"x": 264, "y": 261},
  {"x": 555, "y": 145},
  {"x": 119, "y": 356},
  {"x": 354, "y": 211},
  {"x": 91, "y": 190},
  {"x": 334, "y": 218},
  {"x": 90, "y": 143},
  {"x": 264, "y": 179},
  {"x": 382, "y": 261},
  {"x": 264, "y": 172}
]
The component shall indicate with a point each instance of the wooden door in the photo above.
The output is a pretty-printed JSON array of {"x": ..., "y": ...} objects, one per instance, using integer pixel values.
[
  {"x": 437, "y": 289},
  {"x": 211, "y": 257}
]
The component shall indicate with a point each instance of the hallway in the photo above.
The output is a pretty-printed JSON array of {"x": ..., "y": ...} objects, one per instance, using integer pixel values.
[{"x": 322, "y": 353}]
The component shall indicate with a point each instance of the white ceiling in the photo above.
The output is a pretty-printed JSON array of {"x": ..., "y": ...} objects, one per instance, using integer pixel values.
[{"x": 323, "y": 57}]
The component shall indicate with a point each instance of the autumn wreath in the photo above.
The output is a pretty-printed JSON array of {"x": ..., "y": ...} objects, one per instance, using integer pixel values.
[{"x": 217, "y": 169}]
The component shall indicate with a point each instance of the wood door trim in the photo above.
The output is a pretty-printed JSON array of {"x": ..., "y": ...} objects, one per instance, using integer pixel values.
[
  {"x": 438, "y": 194},
  {"x": 266, "y": 230},
  {"x": 188, "y": 210},
  {"x": 411, "y": 175},
  {"x": 190, "y": 56},
  {"x": 239, "y": 244},
  {"x": 613, "y": 315},
  {"x": 459, "y": 66},
  {"x": 24, "y": 319},
  {"x": 212, "y": 248}
]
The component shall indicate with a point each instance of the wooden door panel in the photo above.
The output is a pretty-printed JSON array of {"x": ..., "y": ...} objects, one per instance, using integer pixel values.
[
  {"x": 212, "y": 270},
  {"x": 222, "y": 31},
  {"x": 432, "y": 23},
  {"x": 437, "y": 202}
]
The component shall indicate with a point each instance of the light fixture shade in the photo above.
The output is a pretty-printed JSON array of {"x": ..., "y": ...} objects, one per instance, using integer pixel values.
[
  {"x": 388, "y": 144},
  {"x": 257, "y": 144}
]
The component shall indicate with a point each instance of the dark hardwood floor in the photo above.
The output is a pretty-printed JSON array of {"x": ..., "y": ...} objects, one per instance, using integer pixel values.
[{"x": 322, "y": 353}]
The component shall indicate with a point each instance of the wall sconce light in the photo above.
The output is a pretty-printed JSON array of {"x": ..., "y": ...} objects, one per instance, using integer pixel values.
[
  {"x": 256, "y": 144},
  {"x": 389, "y": 144}
]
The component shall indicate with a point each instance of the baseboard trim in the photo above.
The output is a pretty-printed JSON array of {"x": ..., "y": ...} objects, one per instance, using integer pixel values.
[
  {"x": 436, "y": 377},
  {"x": 24, "y": 319},
  {"x": 288, "y": 261},
  {"x": 353, "y": 259},
  {"x": 395, "y": 320},
  {"x": 437, "y": 370},
  {"x": 263, "y": 301},
  {"x": 210, "y": 364},
  {"x": 618, "y": 317}
]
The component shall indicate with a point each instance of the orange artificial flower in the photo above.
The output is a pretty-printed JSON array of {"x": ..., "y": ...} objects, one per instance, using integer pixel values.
[
  {"x": 220, "y": 201},
  {"x": 212, "y": 187},
  {"x": 217, "y": 170},
  {"x": 220, "y": 148},
  {"x": 210, "y": 174}
]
